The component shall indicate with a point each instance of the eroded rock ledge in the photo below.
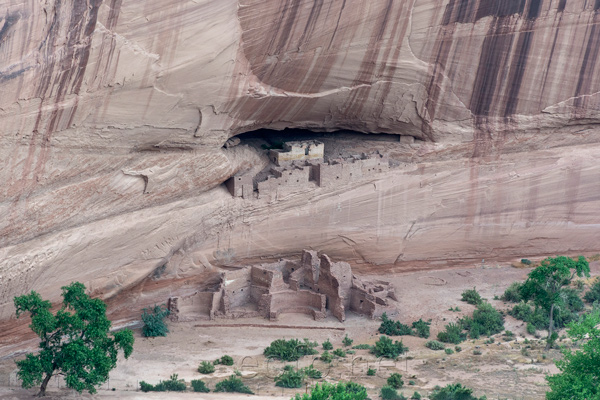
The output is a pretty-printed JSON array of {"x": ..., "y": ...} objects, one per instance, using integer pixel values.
[{"x": 113, "y": 114}]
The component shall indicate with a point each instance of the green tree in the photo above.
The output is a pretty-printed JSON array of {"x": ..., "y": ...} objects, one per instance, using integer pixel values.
[
  {"x": 544, "y": 285},
  {"x": 75, "y": 342},
  {"x": 579, "y": 377},
  {"x": 154, "y": 321}
]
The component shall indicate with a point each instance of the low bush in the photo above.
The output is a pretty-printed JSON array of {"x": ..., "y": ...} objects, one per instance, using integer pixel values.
[
  {"x": 329, "y": 391},
  {"x": 226, "y": 360},
  {"x": 393, "y": 328},
  {"x": 290, "y": 350},
  {"x": 449, "y": 351},
  {"x": 339, "y": 353},
  {"x": 453, "y": 333},
  {"x": 454, "y": 391},
  {"x": 525, "y": 261},
  {"x": 385, "y": 347},
  {"x": 199, "y": 386},
  {"x": 593, "y": 294},
  {"x": 290, "y": 378},
  {"x": 513, "y": 293},
  {"x": 362, "y": 346},
  {"x": 421, "y": 328},
  {"x": 435, "y": 345},
  {"x": 395, "y": 380},
  {"x": 416, "y": 396},
  {"x": 458, "y": 349},
  {"x": 312, "y": 373},
  {"x": 371, "y": 372},
  {"x": 531, "y": 328},
  {"x": 154, "y": 321},
  {"x": 206, "y": 367},
  {"x": 471, "y": 296},
  {"x": 326, "y": 357},
  {"x": 486, "y": 320},
  {"x": 347, "y": 342},
  {"x": 233, "y": 384},
  {"x": 172, "y": 385},
  {"x": 327, "y": 345},
  {"x": 389, "y": 393}
]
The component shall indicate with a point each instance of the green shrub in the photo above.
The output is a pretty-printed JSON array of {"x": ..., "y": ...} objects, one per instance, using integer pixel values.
[
  {"x": 593, "y": 294},
  {"x": 454, "y": 391},
  {"x": 226, "y": 360},
  {"x": 371, "y": 372},
  {"x": 154, "y": 321},
  {"x": 449, "y": 351},
  {"x": 412, "y": 383},
  {"x": 530, "y": 328},
  {"x": 172, "y": 385},
  {"x": 339, "y": 353},
  {"x": 416, "y": 396},
  {"x": 513, "y": 293},
  {"x": 458, "y": 349},
  {"x": 486, "y": 320},
  {"x": 395, "y": 380},
  {"x": 385, "y": 347},
  {"x": 339, "y": 391},
  {"x": 389, "y": 393},
  {"x": 326, "y": 357},
  {"x": 525, "y": 261},
  {"x": 233, "y": 384},
  {"x": 346, "y": 341},
  {"x": 435, "y": 345},
  {"x": 453, "y": 333},
  {"x": 393, "y": 328},
  {"x": 421, "y": 328},
  {"x": 206, "y": 367},
  {"x": 290, "y": 350},
  {"x": 312, "y": 373},
  {"x": 477, "y": 352},
  {"x": 327, "y": 345},
  {"x": 471, "y": 296},
  {"x": 199, "y": 386},
  {"x": 521, "y": 311},
  {"x": 290, "y": 378},
  {"x": 362, "y": 346}
]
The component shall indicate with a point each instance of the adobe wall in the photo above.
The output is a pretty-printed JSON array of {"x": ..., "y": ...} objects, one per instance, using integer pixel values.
[
  {"x": 237, "y": 287},
  {"x": 303, "y": 301},
  {"x": 240, "y": 185},
  {"x": 195, "y": 306},
  {"x": 363, "y": 303}
]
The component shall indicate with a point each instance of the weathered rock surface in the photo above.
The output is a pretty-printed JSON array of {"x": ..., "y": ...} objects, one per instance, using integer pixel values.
[{"x": 113, "y": 114}]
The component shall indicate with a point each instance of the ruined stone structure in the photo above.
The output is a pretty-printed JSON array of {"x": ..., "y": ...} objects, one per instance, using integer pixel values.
[
  {"x": 298, "y": 173},
  {"x": 313, "y": 286},
  {"x": 298, "y": 151}
]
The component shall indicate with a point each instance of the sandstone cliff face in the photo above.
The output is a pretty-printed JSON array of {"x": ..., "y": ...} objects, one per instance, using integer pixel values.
[{"x": 113, "y": 114}]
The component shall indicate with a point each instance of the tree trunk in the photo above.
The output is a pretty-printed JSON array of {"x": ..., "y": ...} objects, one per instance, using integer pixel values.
[
  {"x": 42, "y": 391},
  {"x": 548, "y": 342}
]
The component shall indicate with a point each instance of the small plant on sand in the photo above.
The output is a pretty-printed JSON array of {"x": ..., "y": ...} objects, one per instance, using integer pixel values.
[
  {"x": 421, "y": 328},
  {"x": 290, "y": 378},
  {"x": 154, "y": 321},
  {"x": 435, "y": 345},
  {"x": 389, "y": 393},
  {"x": 471, "y": 296},
  {"x": 290, "y": 350},
  {"x": 206, "y": 367},
  {"x": 327, "y": 345},
  {"x": 233, "y": 384},
  {"x": 226, "y": 360},
  {"x": 198, "y": 385},
  {"x": 347, "y": 342},
  {"x": 395, "y": 380},
  {"x": 174, "y": 384},
  {"x": 339, "y": 391},
  {"x": 371, "y": 372},
  {"x": 326, "y": 357},
  {"x": 453, "y": 333},
  {"x": 339, "y": 353},
  {"x": 385, "y": 347},
  {"x": 454, "y": 391}
]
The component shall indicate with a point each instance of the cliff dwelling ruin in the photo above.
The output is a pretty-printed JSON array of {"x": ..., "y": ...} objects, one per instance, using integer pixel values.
[{"x": 315, "y": 285}]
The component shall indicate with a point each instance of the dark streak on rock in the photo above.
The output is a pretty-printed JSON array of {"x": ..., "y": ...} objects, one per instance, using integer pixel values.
[
  {"x": 517, "y": 70},
  {"x": 9, "y": 22},
  {"x": 597, "y": 5},
  {"x": 469, "y": 11},
  {"x": 563, "y": 3},
  {"x": 586, "y": 72}
]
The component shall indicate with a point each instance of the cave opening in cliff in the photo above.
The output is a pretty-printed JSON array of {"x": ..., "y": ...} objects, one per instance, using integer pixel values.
[{"x": 337, "y": 143}]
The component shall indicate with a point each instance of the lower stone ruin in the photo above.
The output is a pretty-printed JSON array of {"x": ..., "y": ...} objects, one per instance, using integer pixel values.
[{"x": 313, "y": 286}]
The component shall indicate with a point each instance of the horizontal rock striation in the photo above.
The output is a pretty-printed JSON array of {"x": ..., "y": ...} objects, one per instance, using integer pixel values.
[{"x": 113, "y": 114}]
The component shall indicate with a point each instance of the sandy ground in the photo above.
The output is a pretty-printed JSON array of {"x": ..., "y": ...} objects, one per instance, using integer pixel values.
[{"x": 501, "y": 371}]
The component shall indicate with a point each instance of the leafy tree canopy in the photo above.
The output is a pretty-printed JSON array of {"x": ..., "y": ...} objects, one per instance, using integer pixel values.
[
  {"x": 75, "y": 342},
  {"x": 339, "y": 391},
  {"x": 579, "y": 377}
]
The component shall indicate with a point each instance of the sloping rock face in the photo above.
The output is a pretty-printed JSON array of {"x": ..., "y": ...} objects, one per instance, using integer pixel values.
[{"x": 113, "y": 114}]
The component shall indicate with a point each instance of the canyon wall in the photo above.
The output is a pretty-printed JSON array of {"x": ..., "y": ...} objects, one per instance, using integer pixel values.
[{"x": 113, "y": 114}]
